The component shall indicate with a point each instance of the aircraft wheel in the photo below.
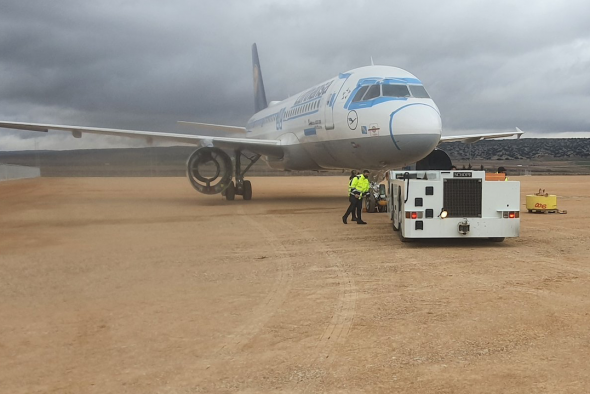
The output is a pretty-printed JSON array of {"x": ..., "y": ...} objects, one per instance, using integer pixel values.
[
  {"x": 247, "y": 190},
  {"x": 230, "y": 192}
]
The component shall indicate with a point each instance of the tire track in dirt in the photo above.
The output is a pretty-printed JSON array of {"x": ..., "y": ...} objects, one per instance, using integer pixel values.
[
  {"x": 262, "y": 313},
  {"x": 258, "y": 316},
  {"x": 343, "y": 316}
]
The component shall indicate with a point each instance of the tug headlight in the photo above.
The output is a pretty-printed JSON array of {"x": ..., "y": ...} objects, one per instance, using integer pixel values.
[{"x": 443, "y": 214}]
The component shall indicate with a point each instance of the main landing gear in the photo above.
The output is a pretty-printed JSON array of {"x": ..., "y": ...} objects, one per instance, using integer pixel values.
[
  {"x": 241, "y": 187},
  {"x": 209, "y": 169}
]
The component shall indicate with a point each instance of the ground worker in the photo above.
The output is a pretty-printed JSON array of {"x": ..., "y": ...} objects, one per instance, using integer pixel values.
[
  {"x": 352, "y": 176},
  {"x": 359, "y": 187},
  {"x": 502, "y": 170}
]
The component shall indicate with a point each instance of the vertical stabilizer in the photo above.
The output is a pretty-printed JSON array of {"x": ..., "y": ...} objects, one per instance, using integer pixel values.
[{"x": 259, "y": 94}]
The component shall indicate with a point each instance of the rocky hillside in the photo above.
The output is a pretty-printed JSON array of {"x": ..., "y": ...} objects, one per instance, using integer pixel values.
[{"x": 525, "y": 148}]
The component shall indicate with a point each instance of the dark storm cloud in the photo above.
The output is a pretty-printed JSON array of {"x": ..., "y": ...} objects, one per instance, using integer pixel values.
[{"x": 146, "y": 64}]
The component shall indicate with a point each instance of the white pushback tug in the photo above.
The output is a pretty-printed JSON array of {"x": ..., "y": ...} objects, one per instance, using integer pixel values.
[{"x": 452, "y": 204}]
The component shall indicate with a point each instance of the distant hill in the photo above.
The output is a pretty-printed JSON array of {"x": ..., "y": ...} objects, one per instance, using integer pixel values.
[
  {"x": 525, "y": 148},
  {"x": 536, "y": 155}
]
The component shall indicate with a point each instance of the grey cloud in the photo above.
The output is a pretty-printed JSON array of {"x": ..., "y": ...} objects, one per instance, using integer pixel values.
[{"x": 489, "y": 65}]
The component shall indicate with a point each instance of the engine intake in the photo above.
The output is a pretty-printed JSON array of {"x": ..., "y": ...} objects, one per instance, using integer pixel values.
[
  {"x": 436, "y": 160},
  {"x": 209, "y": 170}
]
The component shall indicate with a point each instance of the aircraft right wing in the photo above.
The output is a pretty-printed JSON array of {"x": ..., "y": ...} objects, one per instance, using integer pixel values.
[
  {"x": 471, "y": 138},
  {"x": 260, "y": 146}
]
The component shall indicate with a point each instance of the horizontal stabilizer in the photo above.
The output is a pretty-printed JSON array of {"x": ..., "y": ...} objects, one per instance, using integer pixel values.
[{"x": 471, "y": 138}]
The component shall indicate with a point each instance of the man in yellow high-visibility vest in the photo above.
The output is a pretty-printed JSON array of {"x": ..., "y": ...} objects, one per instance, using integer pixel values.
[
  {"x": 358, "y": 187},
  {"x": 502, "y": 170},
  {"x": 352, "y": 176}
]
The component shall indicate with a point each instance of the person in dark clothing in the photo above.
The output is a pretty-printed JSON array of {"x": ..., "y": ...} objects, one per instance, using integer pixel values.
[
  {"x": 358, "y": 187},
  {"x": 502, "y": 170},
  {"x": 353, "y": 201}
]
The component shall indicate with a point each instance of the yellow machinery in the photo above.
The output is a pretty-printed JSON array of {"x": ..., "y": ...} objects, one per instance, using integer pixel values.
[{"x": 542, "y": 202}]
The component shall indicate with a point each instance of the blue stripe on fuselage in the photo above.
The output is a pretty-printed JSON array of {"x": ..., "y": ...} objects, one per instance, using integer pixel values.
[
  {"x": 378, "y": 81},
  {"x": 375, "y": 101}
]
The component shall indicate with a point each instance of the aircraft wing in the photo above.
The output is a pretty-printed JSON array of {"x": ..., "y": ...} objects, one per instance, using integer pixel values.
[
  {"x": 263, "y": 147},
  {"x": 471, "y": 138}
]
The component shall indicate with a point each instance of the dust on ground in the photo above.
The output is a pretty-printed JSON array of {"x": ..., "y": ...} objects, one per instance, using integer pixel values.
[{"x": 142, "y": 285}]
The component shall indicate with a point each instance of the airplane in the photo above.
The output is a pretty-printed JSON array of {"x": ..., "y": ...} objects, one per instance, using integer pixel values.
[{"x": 372, "y": 117}]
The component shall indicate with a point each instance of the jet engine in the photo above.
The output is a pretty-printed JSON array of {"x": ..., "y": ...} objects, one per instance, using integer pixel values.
[
  {"x": 436, "y": 160},
  {"x": 210, "y": 170}
]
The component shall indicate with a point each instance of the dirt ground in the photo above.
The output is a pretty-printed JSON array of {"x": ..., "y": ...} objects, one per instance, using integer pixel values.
[{"x": 142, "y": 285}]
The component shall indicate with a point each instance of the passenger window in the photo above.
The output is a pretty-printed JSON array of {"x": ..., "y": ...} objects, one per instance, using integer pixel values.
[
  {"x": 396, "y": 91},
  {"x": 374, "y": 91},
  {"x": 419, "y": 91},
  {"x": 359, "y": 95}
]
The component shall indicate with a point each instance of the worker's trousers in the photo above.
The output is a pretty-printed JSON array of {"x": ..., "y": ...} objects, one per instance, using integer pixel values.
[{"x": 355, "y": 207}]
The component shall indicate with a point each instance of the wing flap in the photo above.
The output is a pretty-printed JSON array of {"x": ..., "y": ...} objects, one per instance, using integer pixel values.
[{"x": 264, "y": 147}]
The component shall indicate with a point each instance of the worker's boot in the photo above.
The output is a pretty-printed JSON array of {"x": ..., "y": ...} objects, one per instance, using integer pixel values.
[
  {"x": 344, "y": 219},
  {"x": 360, "y": 221}
]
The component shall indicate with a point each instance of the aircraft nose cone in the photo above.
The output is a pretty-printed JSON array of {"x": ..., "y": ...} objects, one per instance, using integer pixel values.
[{"x": 415, "y": 127}]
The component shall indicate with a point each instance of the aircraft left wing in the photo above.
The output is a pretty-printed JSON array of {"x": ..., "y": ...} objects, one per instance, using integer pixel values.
[
  {"x": 220, "y": 127},
  {"x": 263, "y": 147},
  {"x": 471, "y": 138}
]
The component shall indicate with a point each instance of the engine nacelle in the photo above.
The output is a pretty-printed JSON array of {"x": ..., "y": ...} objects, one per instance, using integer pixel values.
[
  {"x": 209, "y": 170},
  {"x": 436, "y": 160}
]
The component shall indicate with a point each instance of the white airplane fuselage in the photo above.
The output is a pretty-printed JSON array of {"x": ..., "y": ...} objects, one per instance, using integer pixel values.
[{"x": 373, "y": 117}]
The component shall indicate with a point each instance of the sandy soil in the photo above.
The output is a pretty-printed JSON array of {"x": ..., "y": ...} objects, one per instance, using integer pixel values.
[{"x": 141, "y": 285}]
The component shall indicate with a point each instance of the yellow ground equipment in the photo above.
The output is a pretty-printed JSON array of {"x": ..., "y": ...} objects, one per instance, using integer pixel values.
[{"x": 542, "y": 202}]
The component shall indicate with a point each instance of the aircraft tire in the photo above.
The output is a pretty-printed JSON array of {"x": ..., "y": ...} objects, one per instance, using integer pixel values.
[
  {"x": 230, "y": 192},
  {"x": 247, "y": 190}
]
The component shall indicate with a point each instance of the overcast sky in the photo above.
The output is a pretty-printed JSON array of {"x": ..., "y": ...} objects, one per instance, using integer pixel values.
[{"x": 489, "y": 65}]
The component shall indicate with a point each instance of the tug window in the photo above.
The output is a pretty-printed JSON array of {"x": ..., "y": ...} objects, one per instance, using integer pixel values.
[
  {"x": 419, "y": 91},
  {"x": 374, "y": 91},
  {"x": 396, "y": 91},
  {"x": 359, "y": 95}
]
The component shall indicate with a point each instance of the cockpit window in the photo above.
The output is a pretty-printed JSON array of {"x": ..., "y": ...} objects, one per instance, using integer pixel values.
[
  {"x": 374, "y": 91},
  {"x": 359, "y": 95},
  {"x": 396, "y": 91},
  {"x": 419, "y": 91}
]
